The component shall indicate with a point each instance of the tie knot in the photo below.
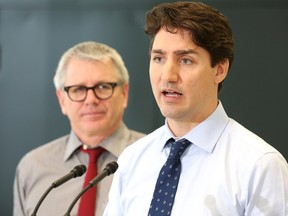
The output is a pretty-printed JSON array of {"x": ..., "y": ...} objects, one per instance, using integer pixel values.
[
  {"x": 94, "y": 153},
  {"x": 178, "y": 148}
]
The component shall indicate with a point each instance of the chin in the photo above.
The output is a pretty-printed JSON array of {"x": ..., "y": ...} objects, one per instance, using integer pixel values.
[
  {"x": 93, "y": 126},
  {"x": 168, "y": 114}
]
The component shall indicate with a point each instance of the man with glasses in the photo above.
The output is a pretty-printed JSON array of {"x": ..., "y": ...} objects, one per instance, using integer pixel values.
[{"x": 92, "y": 86}]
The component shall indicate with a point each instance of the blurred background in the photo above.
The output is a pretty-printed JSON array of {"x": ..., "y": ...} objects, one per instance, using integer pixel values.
[{"x": 35, "y": 33}]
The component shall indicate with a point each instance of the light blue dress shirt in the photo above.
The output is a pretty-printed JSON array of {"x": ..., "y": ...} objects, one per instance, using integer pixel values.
[{"x": 227, "y": 171}]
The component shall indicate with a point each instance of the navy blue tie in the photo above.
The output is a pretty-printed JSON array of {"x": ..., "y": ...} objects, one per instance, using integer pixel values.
[{"x": 167, "y": 182}]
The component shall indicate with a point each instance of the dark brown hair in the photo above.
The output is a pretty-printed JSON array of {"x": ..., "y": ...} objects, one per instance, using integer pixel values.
[{"x": 208, "y": 27}]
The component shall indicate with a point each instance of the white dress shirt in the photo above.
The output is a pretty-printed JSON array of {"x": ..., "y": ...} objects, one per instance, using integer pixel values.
[{"x": 227, "y": 171}]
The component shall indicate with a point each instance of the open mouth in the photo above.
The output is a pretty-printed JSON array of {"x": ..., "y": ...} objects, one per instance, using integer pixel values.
[{"x": 171, "y": 93}]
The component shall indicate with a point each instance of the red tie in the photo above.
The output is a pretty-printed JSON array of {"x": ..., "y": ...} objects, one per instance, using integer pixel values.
[{"x": 88, "y": 200}]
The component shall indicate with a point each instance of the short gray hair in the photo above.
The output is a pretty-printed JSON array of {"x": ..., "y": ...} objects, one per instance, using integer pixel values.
[{"x": 90, "y": 50}]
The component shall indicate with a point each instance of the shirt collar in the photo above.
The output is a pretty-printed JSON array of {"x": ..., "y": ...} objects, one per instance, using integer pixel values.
[
  {"x": 114, "y": 143},
  {"x": 207, "y": 133},
  {"x": 73, "y": 143},
  {"x": 117, "y": 141}
]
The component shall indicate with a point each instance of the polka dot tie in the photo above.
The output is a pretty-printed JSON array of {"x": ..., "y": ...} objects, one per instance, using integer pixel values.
[{"x": 167, "y": 182}]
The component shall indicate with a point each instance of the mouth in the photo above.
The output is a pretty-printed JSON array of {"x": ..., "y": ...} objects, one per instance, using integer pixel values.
[
  {"x": 92, "y": 114},
  {"x": 171, "y": 93}
]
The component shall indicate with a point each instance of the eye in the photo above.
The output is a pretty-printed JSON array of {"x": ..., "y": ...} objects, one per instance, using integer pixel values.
[
  {"x": 186, "y": 61},
  {"x": 103, "y": 86},
  {"x": 157, "y": 59},
  {"x": 77, "y": 89}
]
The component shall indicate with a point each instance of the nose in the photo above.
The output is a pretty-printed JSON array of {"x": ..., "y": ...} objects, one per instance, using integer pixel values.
[
  {"x": 91, "y": 97},
  {"x": 170, "y": 72}
]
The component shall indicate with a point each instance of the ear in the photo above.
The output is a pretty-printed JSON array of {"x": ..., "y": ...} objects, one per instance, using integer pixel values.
[
  {"x": 61, "y": 100},
  {"x": 221, "y": 71},
  {"x": 125, "y": 93}
]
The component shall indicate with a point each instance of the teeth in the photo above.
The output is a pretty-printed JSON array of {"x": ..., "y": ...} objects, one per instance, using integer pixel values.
[
  {"x": 171, "y": 93},
  {"x": 174, "y": 94}
]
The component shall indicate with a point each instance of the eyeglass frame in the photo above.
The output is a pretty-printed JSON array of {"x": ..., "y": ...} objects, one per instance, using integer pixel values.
[{"x": 93, "y": 88}]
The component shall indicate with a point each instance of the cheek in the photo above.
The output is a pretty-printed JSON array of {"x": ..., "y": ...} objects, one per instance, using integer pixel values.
[
  {"x": 154, "y": 87},
  {"x": 121, "y": 104},
  {"x": 70, "y": 110},
  {"x": 117, "y": 106},
  {"x": 63, "y": 105},
  {"x": 153, "y": 72},
  {"x": 204, "y": 78},
  {"x": 153, "y": 80},
  {"x": 196, "y": 85}
]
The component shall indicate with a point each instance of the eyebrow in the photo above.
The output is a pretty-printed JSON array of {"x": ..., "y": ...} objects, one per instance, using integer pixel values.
[
  {"x": 157, "y": 51},
  {"x": 177, "y": 52},
  {"x": 188, "y": 51}
]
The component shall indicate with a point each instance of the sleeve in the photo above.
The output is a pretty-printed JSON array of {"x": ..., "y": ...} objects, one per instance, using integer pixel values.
[
  {"x": 18, "y": 195},
  {"x": 268, "y": 187}
]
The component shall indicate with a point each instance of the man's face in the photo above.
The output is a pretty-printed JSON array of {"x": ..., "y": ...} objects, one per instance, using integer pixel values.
[
  {"x": 93, "y": 116},
  {"x": 183, "y": 82}
]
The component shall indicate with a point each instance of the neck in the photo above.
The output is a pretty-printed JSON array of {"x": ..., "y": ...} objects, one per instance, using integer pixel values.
[
  {"x": 180, "y": 127},
  {"x": 93, "y": 141}
]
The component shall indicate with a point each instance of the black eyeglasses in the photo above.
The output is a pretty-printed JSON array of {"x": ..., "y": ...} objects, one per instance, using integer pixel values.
[{"x": 102, "y": 91}]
